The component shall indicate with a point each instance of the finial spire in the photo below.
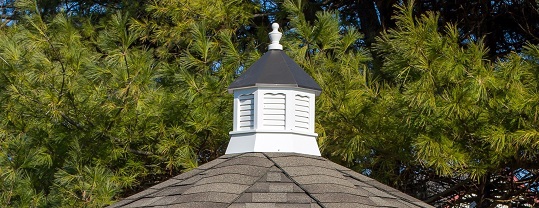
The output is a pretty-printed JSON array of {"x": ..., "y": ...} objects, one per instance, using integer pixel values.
[{"x": 275, "y": 36}]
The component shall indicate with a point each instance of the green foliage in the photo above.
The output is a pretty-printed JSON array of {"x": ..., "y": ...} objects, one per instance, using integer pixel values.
[
  {"x": 465, "y": 116},
  {"x": 89, "y": 113},
  {"x": 93, "y": 111}
]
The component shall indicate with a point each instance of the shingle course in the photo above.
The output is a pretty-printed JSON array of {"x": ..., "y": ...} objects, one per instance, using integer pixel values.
[
  {"x": 230, "y": 178},
  {"x": 210, "y": 196},
  {"x": 342, "y": 198},
  {"x": 269, "y": 197},
  {"x": 142, "y": 193},
  {"x": 239, "y": 169},
  {"x": 298, "y": 198},
  {"x": 165, "y": 200},
  {"x": 199, "y": 205},
  {"x": 387, "y": 202},
  {"x": 218, "y": 187},
  {"x": 322, "y": 179},
  {"x": 171, "y": 190},
  {"x": 333, "y": 188},
  {"x": 281, "y": 187},
  {"x": 247, "y": 160}
]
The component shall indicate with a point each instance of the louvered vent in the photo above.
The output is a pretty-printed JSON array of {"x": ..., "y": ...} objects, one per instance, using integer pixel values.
[
  {"x": 246, "y": 112},
  {"x": 274, "y": 110},
  {"x": 301, "y": 112}
]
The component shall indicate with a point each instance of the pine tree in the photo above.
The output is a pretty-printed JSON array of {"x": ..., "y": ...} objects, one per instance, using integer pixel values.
[
  {"x": 462, "y": 114},
  {"x": 95, "y": 108},
  {"x": 91, "y": 112}
]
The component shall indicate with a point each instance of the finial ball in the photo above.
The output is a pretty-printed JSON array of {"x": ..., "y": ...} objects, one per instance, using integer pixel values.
[{"x": 274, "y": 26}]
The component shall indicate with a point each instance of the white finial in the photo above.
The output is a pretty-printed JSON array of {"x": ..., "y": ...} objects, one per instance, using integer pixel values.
[{"x": 275, "y": 36}]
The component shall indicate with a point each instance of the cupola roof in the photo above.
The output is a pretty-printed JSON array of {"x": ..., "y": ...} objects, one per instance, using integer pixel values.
[{"x": 276, "y": 69}]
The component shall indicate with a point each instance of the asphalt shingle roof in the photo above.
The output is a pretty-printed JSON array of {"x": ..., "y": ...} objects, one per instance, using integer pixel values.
[
  {"x": 275, "y": 68},
  {"x": 253, "y": 180}
]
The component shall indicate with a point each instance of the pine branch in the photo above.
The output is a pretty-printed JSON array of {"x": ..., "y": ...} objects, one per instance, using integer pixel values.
[{"x": 444, "y": 193}]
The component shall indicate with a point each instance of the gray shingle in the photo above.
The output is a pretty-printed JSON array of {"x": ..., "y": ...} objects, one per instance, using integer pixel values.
[
  {"x": 121, "y": 203},
  {"x": 281, "y": 187},
  {"x": 290, "y": 154},
  {"x": 407, "y": 203},
  {"x": 342, "y": 198},
  {"x": 191, "y": 180},
  {"x": 286, "y": 205},
  {"x": 247, "y": 160},
  {"x": 322, "y": 179},
  {"x": 378, "y": 192},
  {"x": 269, "y": 197},
  {"x": 314, "y": 205},
  {"x": 356, "y": 182},
  {"x": 166, "y": 183},
  {"x": 348, "y": 205},
  {"x": 381, "y": 186},
  {"x": 356, "y": 175},
  {"x": 260, "y": 205},
  {"x": 210, "y": 164},
  {"x": 142, "y": 193},
  {"x": 172, "y": 190},
  {"x": 299, "y": 161},
  {"x": 273, "y": 177},
  {"x": 244, "y": 198},
  {"x": 298, "y": 198},
  {"x": 218, "y": 187},
  {"x": 207, "y": 197},
  {"x": 309, "y": 170},
  {"x": 143, "y": 202},
  {"x": 237, "y": 205},
  {"x": 166, "y": 200},
  {"x": 334, "y": 188},
  {"x": 228, "y": 178},
  {"x": 188, "y": 174},
  {"x": 404, "y": 196},
  {"x": 387, "y": 202},
  {"x": 422, "y": 204},
  {"x": 199, "y": 205},
  {"x": 238, "y": 169},
  {"x": 252, "y": 154},
  {"x": 260, "y": 187}
]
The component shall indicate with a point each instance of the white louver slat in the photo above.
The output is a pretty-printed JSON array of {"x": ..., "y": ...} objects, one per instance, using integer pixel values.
[
  {"x": 301, "y": 112},
  {"x": 274, "y": 110},
  {"x": 246, "y": 112}
]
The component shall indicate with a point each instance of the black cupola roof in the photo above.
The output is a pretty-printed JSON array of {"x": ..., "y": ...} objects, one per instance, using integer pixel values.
[{"x": 275, "y": 68}]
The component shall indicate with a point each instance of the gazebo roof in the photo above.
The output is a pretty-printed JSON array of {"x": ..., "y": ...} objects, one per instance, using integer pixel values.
[{"x": 270, "y": 180}]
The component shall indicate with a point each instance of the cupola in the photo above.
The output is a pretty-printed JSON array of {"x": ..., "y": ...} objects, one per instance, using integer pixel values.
[
  {"x": 274, "y": 137},
  {"x": 274, "y": 105}
]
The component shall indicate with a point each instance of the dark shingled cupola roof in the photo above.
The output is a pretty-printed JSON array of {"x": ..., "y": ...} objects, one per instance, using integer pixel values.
[
  {"x": 270, "y": 180},
  {"x": 275, "y": 68}
]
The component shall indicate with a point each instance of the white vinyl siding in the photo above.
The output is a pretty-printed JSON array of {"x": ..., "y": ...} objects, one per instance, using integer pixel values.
[
  {"x": 246, "y": 112},
  {"x": 274, "y": 110},
  {"x": 301, "y": 112}
]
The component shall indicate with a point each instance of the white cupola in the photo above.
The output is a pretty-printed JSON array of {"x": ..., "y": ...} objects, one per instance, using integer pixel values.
[{"x": 274, "y": 105}]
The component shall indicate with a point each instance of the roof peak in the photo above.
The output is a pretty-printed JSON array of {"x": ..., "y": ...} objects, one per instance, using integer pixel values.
[{"x": 275, "y": 37}]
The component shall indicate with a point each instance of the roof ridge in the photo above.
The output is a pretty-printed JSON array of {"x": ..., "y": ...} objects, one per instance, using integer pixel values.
[
  {"x": 289, "y": 69},
  {"x": 295, "y": 182},
  {"x": 243, "y": 192},
  {"x": 387, "y": 192}
]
